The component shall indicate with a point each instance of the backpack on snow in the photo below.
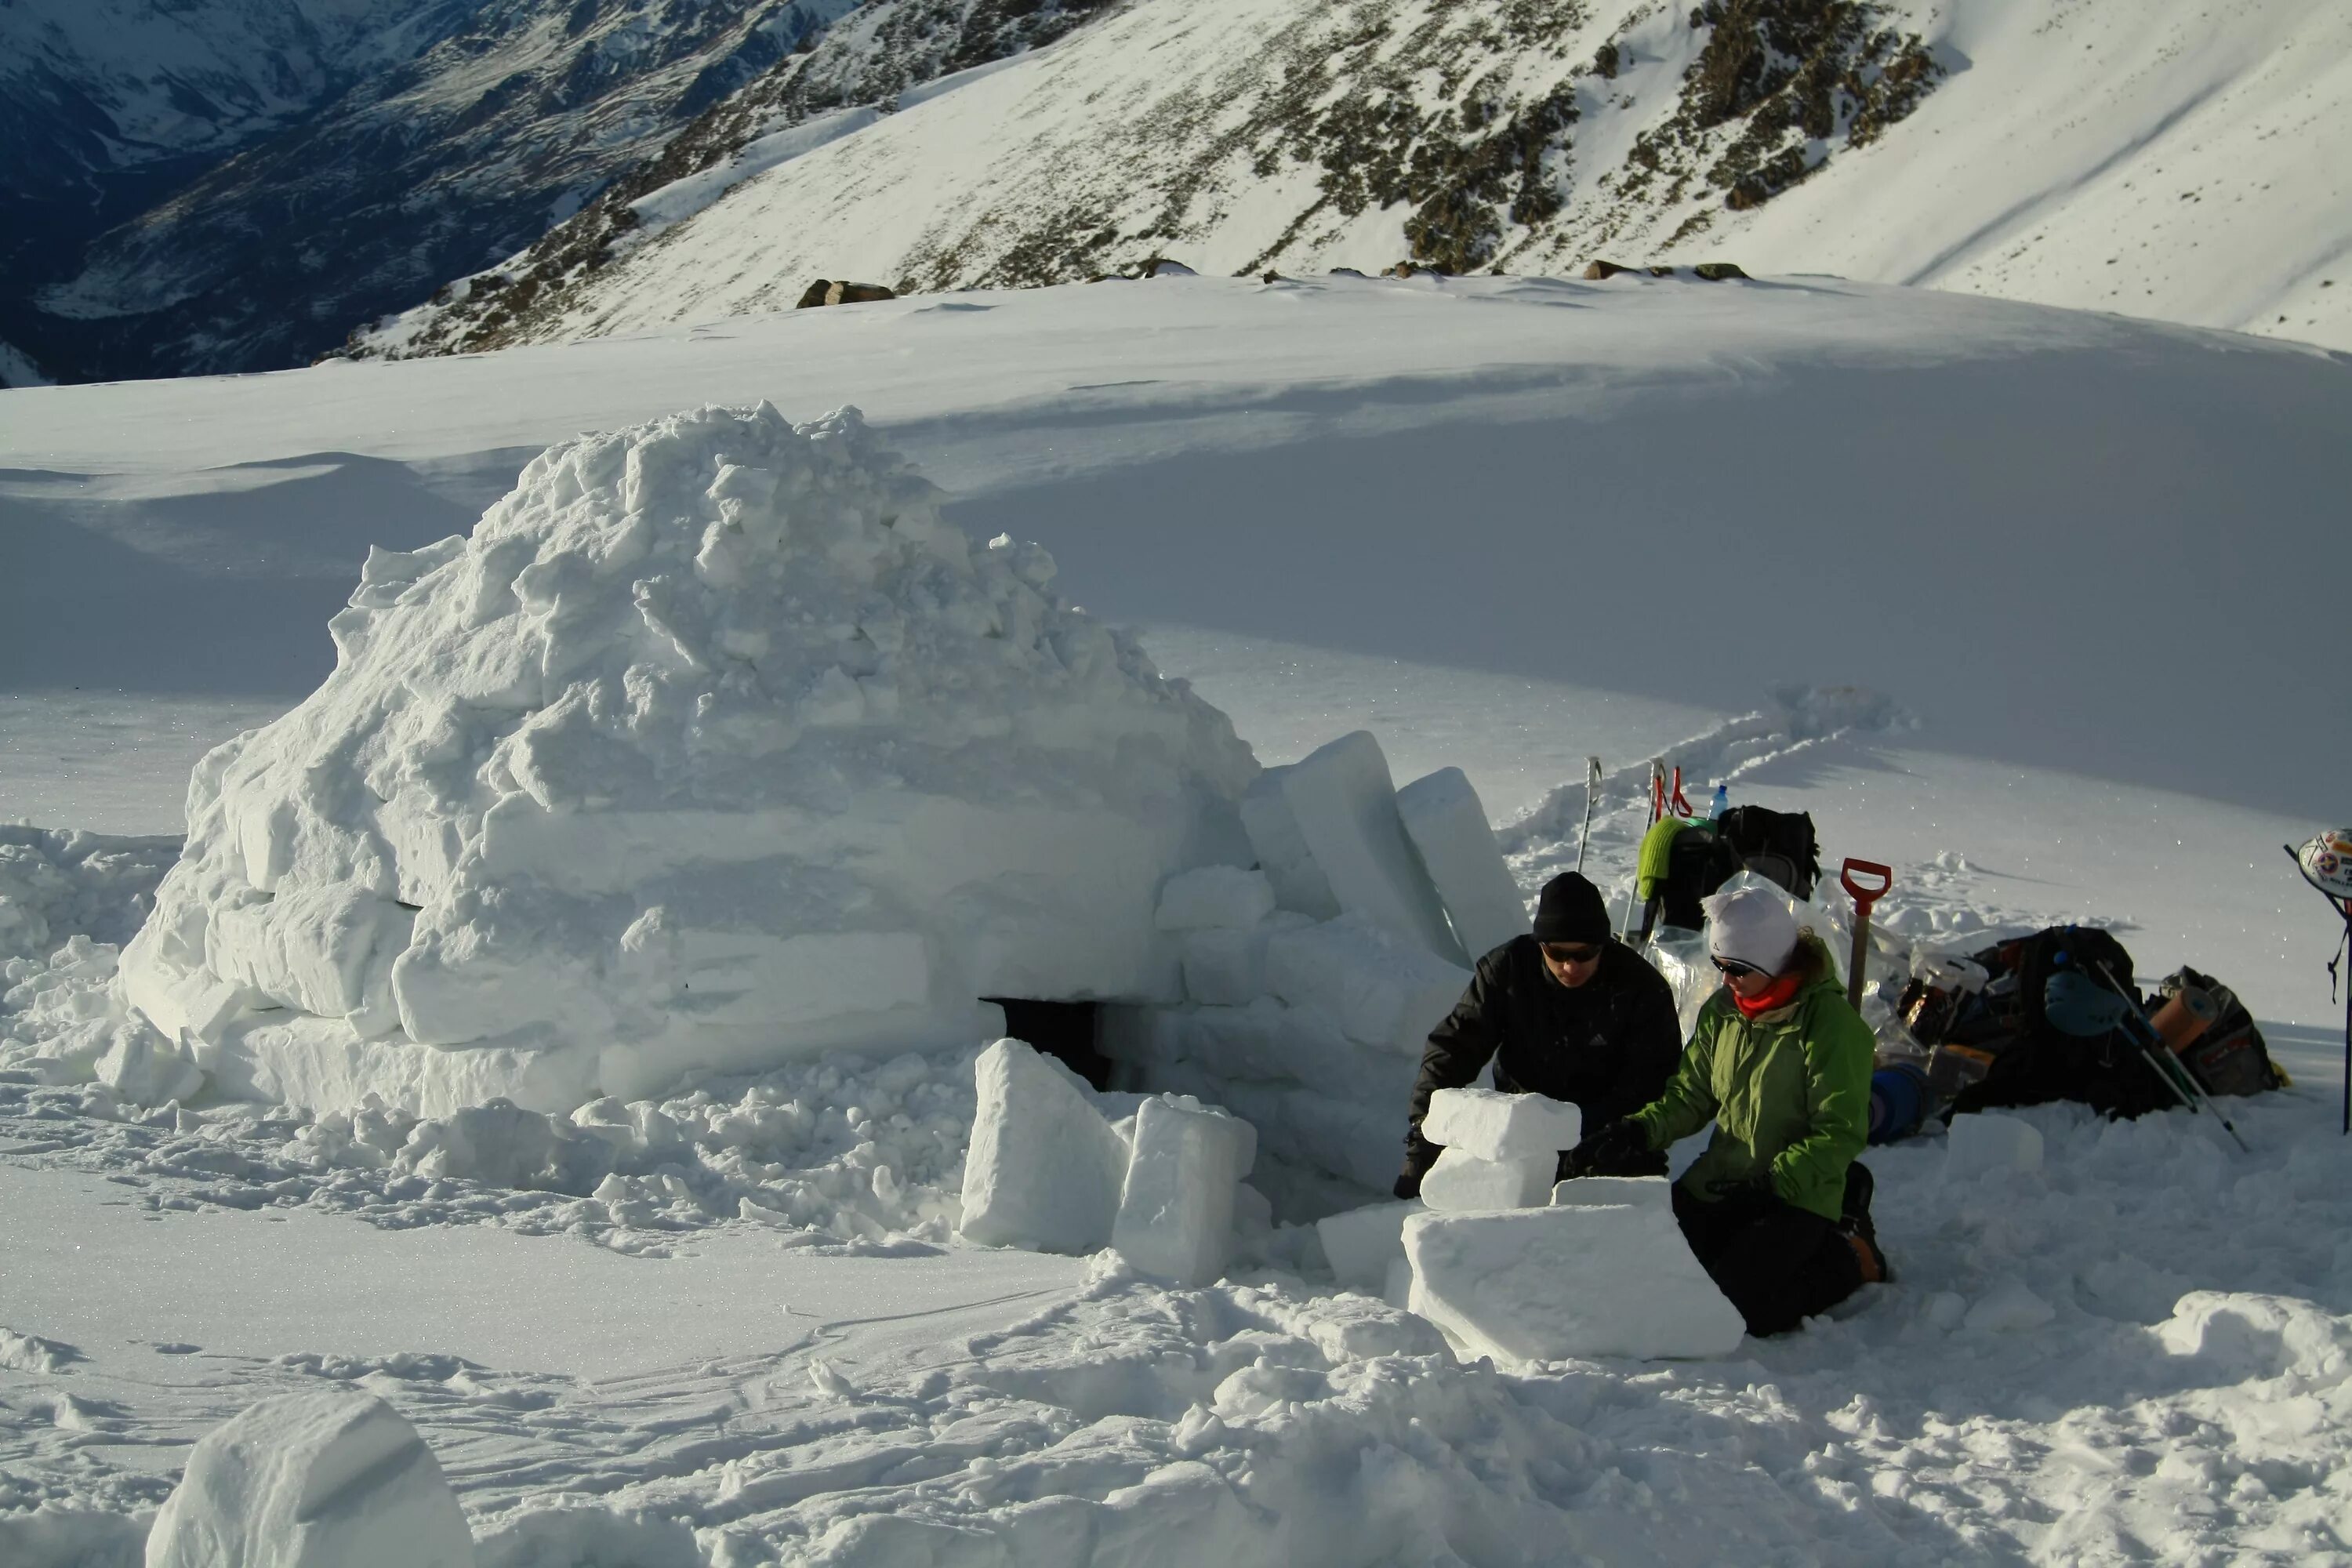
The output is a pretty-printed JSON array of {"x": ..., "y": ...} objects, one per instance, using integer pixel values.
[
  {"x": 1778, "y": 846},
  {"x": 2229, "y": 1056},
  {"x": 2031, "y": 1059}
]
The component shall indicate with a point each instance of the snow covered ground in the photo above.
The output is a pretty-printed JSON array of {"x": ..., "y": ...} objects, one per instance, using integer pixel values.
[{"x": 1502, "y": 524}]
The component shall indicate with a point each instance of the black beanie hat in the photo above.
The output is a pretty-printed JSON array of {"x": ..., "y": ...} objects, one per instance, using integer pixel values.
[{"x": 1570, "y": 910}]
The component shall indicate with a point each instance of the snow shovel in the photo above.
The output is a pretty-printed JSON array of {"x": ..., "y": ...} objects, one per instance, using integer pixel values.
[{"x": 1864, "y": 897}]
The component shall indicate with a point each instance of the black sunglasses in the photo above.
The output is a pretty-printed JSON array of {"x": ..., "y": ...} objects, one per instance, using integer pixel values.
[
  {"x": 1561, "y": 953},
  {"x": 1732, "y": 969}
]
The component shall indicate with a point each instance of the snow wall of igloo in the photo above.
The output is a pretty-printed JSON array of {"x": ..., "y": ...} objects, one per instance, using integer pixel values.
[{"x": 711, "y": 745}]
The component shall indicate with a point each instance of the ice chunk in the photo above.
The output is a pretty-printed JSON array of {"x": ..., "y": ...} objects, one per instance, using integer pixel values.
[
  {"x": 1176, "y": 1214},
  {"x": 1613, "y": 1279},
  {"x": 1595, "y": 1192},
  {"x": 1045, "y": 1168},
  {"x": 1460, "y": 1181},
  {"x": 1362, "y": 1243},
  {"x": 1326, "y": 831},
  {"x": 1214, "y": 898},
  {"x": 1982, "y": 1145},
  {"x": 1380, "y": 990},
  {"x": 312, "y": 1481},
  {"x": 1447, "y": 825},
  {"x": 1498, "y": 1126}
]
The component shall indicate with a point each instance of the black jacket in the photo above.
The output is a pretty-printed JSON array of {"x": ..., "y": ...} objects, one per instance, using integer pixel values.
[{"x": 1608, "y": 1046}]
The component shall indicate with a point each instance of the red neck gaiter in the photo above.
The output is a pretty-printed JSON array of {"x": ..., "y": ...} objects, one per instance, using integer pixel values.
[{"x": 1780, "y": 994}]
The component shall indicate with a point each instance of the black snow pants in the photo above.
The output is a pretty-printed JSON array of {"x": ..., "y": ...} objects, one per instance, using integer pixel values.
[{"x": 1776, "y": 1263}]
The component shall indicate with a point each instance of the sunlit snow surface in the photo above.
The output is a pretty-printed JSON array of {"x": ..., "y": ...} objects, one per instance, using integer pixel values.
[{"x": 1503, "y": 525}]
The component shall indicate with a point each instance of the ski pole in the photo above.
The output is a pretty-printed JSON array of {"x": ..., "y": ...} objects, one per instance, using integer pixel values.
[
  {"x": 2193, "y": 1097},
  {"x": 1592, "y": 793},
  {"x": 2343, "y": 906}
]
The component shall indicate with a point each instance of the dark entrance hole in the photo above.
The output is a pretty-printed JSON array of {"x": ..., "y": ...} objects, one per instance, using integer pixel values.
[{"x": 1064, "y": 1030}]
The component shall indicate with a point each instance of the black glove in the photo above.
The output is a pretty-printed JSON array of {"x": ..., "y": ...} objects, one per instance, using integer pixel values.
[
  {"x": 1420, "y": 1154},
  {"x": 1408, "y": 1185},
  {"x": 1609, "y": 1149}
]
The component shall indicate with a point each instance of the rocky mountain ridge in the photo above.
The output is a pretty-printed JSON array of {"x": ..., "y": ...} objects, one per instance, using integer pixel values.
[{"x": 268, "y": 172}]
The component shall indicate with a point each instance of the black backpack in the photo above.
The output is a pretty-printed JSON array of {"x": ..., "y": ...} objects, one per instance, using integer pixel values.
[
  {"x": 2031, "y": 1059},
  {"x": 1778, "y": 846},
  {"x": 1698, "y": 863}
]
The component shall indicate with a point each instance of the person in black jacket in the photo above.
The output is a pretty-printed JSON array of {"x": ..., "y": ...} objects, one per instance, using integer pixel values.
[{"x": 1566, "y": 1011}]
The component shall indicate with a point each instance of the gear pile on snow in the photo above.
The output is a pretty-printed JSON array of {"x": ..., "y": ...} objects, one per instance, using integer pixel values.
[{"x": 710, "y": 746}]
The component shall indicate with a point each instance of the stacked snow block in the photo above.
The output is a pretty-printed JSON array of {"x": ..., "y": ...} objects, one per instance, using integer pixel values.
[
  {"x": 1329, "y": 835},
  {"x": 312, "y": 1481},
  {"x": 1573, "y": 1280},
  {"x": 1447, "y": 825},
  {"x": 1049, "y": 1169},
  {"x": 1981, "y": 1145},
  {"x": 1502, "y": 1150}
]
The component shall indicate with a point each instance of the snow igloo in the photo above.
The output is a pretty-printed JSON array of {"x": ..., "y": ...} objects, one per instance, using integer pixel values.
[{"x": 711, "y": 745}]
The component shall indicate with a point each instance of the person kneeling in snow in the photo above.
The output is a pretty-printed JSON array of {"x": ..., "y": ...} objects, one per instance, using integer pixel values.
[
  {"x": 1778, "y": 1208},
  {"x": 1567, "y": 1011}
]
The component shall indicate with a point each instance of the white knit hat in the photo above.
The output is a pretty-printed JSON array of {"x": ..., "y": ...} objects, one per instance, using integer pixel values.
[{"x": 1750, "y": 925}]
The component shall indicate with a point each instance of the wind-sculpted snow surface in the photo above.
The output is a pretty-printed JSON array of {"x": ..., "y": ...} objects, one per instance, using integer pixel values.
[{"x": 710, "y": 746}]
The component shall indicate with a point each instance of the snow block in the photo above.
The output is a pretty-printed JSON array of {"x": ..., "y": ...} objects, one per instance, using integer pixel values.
[
  {"x": 1447, "y": 825},
  {"x": 1214, "y": 898},
  {"x": 1599, "y": 1191},
  {"x": 1361, "y": 1243},
  {"x": 312, "y": 1481},
  {"x": 1462, "y": 1183},
  {"x": 1982, "y": 1145},
  {"x": 1337, "y": 815},
  {"x": 1380, "y": 990},
  {"x": 1176, "y": 1212},
  {"x": 1226, "y": 968},
  {"x": 1494, "y": 1125},
  {"x": 1546, "y": 1284},
  {"x": 1045, "y": 1169}
]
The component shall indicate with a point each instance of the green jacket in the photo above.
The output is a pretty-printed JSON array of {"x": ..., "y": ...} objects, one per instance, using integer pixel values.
[{"x": 1788, "y": 1091}]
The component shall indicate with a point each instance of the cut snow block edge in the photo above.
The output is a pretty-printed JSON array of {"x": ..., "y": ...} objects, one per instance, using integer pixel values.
[
  {"x": 1461, "y": 1183},
  {"x": 1982, "y": 1145},
  {"x": 312, "y": 1481},
  {"x": 1326, "y": 830},
  {"x": 1600, "y": 1192},
  {"x": 1551, "y": 1284},
  {"x": 1045, "y": 1168},
  {"x": 1447, "y": 825},
  {"x": 1496, "y": 1125},
  {"x": 1214, "y": 898},
  {"x": 1360, "y": 1245},
  {"x": 1177, "y": 1207}
]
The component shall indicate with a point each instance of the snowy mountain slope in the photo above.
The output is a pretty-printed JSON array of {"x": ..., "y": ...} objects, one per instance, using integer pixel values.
[
  {"x": 2169, "y": 159},
  {"x": 106, "y": 106},
  {"x": 491, "y": 122},
  {"x": 1422, "y": 506}
]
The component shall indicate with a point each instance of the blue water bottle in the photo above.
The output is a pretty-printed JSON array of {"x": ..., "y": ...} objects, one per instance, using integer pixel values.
[{"x": 1722, "y": 803}]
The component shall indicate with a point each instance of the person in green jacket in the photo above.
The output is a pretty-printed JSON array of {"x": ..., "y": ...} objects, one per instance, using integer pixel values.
[{"x": 1777, "y": 1209}]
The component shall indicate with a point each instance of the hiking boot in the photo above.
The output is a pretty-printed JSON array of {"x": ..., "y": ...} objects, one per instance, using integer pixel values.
[{"x": 1868, "y": 1261}]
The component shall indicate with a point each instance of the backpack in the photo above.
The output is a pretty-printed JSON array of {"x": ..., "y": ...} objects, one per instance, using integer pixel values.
[
  {"x": 2029, "y": 1059},
  {"x": 1698, "y": 863},
  {"x": 2229, "y": 1056},
  {"x": 1778, "y": 846}
]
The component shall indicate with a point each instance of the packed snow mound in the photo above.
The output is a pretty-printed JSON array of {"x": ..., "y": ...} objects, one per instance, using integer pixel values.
[
  {"x": 710, "y": 746},
  {"x": 312, "y": 1481}
]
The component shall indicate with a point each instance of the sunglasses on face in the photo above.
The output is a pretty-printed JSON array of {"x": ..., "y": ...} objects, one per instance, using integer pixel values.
[
  {"x": 1732, "y": 969},
  {"x": 1571, "y": 953}
]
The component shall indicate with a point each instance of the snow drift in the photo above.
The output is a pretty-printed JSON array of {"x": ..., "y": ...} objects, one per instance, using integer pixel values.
[{"x": 710, "y": 746}]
